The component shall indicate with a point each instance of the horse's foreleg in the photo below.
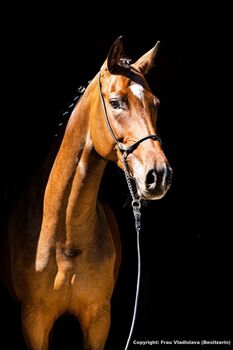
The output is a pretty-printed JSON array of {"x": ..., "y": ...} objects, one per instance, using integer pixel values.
[
  {"x": 95, "y": 323},
  {"x": 36, "y": 327}
]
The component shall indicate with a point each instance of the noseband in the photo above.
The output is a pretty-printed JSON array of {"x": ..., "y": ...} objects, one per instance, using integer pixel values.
[{"x": 131, "y": 148}]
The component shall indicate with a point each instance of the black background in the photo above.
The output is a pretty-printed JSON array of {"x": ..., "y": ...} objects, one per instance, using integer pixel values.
[{"x": 47, "y": 54}]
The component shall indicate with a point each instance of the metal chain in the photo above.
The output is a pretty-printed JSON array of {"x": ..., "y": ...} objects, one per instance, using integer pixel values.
[
  {"x": 136, "y": 200},
  {"x": 127, "y": 176}
]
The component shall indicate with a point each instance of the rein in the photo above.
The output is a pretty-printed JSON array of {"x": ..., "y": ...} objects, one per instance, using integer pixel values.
[{"x": 136, "y": 200}]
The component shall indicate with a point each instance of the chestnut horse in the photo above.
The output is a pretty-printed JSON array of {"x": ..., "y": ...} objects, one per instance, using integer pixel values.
[{"x": 64, "y": 245}]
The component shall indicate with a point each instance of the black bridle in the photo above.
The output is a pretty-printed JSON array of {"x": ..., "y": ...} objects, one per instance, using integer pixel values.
[
  {"x": 131, "y": 148},
  {"x": 136, "y": 200}
]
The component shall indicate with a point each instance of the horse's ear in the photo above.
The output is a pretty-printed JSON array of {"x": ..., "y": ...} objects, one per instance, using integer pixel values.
[
  {"x": 115, "y": 53},
  {"x": 145, "y": 62}
]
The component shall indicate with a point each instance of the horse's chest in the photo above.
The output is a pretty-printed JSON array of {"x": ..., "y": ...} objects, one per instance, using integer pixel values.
[
  {"x": 85, "y": 278},
  {"x": 85, "y": 267},
  {"x": 85, "y": 262}
]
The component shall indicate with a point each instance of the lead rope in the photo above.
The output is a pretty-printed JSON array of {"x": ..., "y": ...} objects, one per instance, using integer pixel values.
[
  {"x": 136, "y": 205},
  {"x": 136, "y": 201}
]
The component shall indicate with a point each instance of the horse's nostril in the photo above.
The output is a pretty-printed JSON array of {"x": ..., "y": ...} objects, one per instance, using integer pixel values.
[
  {"x": 150, "y": 178},
  {"x": 169, "y": 175},
  {"x": 159, "y": 178}
]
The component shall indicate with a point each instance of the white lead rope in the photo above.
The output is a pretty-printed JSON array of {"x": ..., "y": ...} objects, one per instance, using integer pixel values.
[
  {"x": 137, "y": 291},
  {"x": 136, "y": 205}
]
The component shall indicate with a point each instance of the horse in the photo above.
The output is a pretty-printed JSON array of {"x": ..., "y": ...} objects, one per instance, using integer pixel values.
[{"x": 63, "y": 246}]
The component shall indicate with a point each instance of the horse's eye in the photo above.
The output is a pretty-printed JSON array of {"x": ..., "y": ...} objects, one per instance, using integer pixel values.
[{"x": 115, "y": 104}]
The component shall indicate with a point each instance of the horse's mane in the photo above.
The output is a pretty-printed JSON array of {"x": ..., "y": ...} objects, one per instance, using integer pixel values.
[
  {"x": 65, "y": 114},
  {"x": 60, "y": 128}
]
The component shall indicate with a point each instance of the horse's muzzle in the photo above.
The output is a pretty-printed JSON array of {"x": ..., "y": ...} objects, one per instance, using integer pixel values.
[{"x": 157, "y": 183}]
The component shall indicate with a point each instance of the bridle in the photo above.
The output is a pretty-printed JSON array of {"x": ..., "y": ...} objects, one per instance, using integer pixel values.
[
  {"x": 136, "y": 200},
  {"x": 131, "y": 148},
  {"x": 126, "y": 151}
]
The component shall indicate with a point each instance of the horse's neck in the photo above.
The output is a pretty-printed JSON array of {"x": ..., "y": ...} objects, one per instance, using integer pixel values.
[
  {"x": 74, "y": 181},
  {"x": 81, "y": 206},
  {"x": 72, "y": 189}
]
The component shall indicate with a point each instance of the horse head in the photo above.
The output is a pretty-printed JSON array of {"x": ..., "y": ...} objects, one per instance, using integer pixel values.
[{"x": 126, "y": 121}]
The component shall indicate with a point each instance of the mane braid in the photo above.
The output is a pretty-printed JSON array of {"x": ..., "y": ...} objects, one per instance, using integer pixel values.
[{"x": 64, "y": 117}]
